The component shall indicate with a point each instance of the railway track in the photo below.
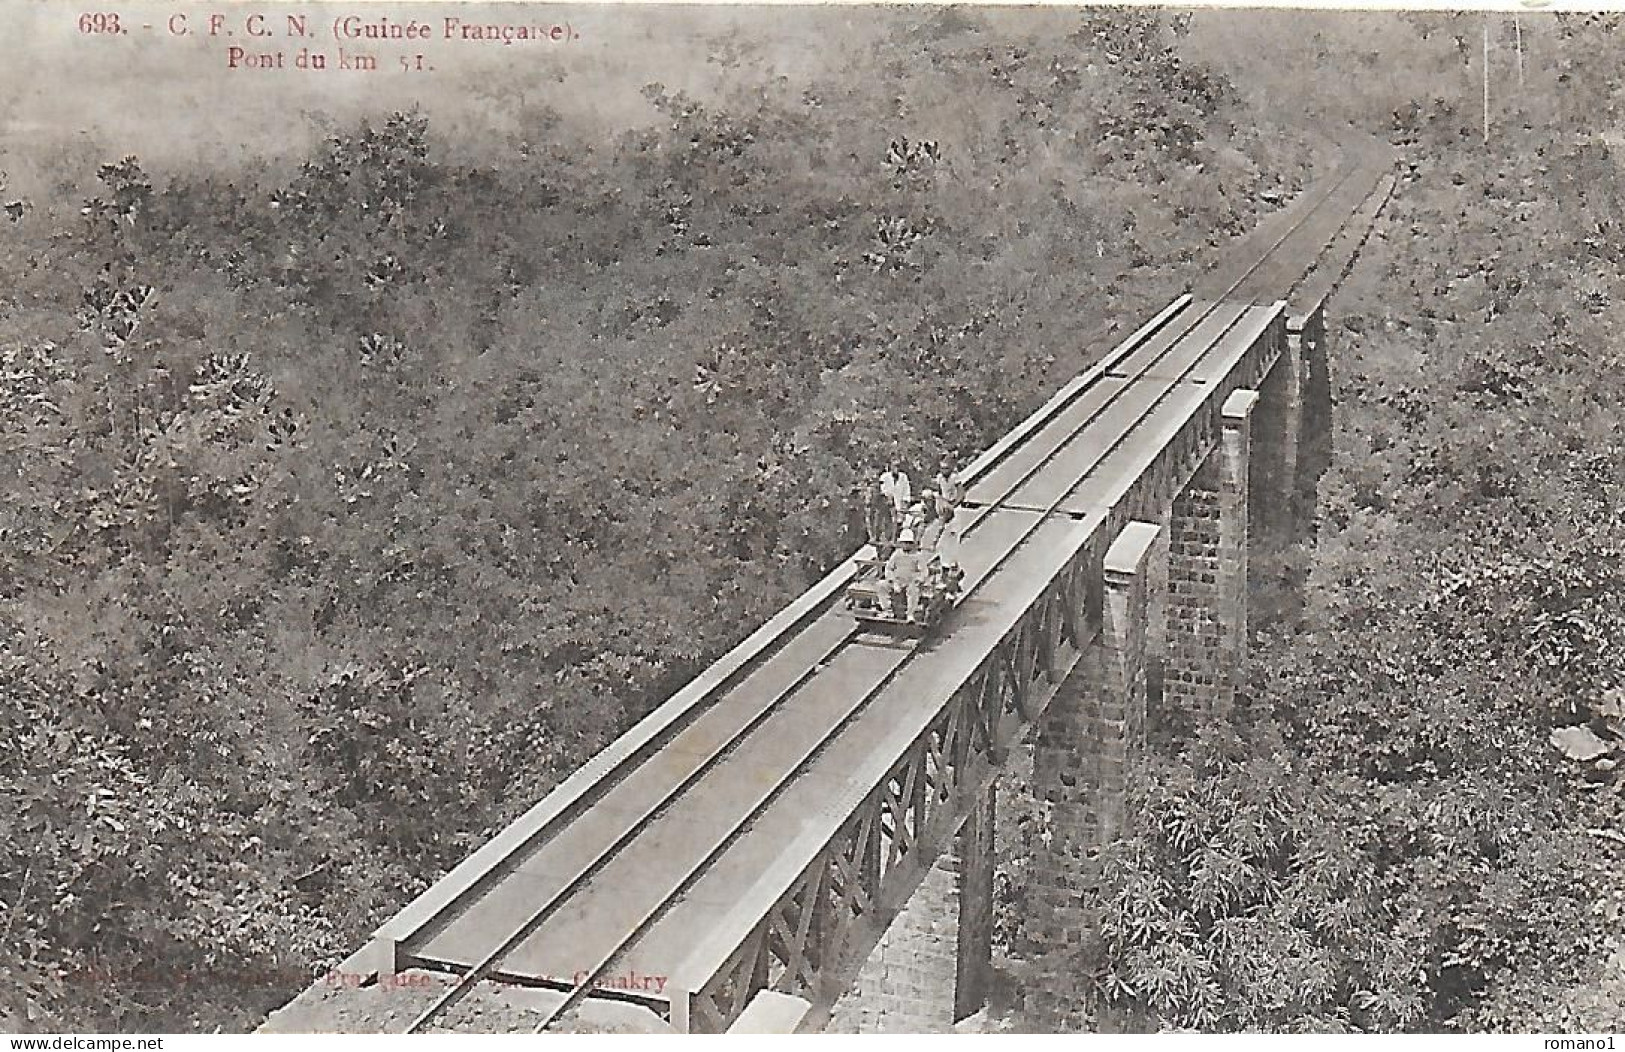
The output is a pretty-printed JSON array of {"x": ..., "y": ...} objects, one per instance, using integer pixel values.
[
  {"x": 595, "y": 865},
  {"x": 812, "y": 642}
]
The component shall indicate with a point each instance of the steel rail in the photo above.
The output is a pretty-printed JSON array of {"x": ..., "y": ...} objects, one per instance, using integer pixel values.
[
  {"x": 490, "y": 963},
  {"x": 583, "y": 988},
  {"x": 492, "y": 960},
  {"x": 1229, "y": 331},
  {"x": 736, "y": 665}
]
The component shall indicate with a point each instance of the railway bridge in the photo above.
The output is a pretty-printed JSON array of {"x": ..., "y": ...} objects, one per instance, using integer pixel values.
[{"x": 802, "y": 838}]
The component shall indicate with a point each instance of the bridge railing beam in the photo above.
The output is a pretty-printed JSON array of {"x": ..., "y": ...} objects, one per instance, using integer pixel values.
[
  {"x": 876, "y": 858},
  {"x": 861, "y": 870}
]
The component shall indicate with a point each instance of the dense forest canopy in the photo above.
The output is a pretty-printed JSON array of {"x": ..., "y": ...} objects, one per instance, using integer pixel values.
[{"x": 362, "y": 493}]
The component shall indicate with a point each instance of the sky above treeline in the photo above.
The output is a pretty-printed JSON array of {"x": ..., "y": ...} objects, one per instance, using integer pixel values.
[{"x": 160, "y": 84}]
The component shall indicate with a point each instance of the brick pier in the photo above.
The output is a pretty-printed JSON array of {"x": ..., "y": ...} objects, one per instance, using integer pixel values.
[
  {"x": 1207, "y": 573},
  {"x": 931, "y": 967}
]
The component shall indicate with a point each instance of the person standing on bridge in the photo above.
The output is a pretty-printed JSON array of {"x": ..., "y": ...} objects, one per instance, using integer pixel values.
[
  {"x": 949, "y": 493},
  {"x": 940, "y": 540},
  {"x": 894, "y": 485},
  {"x": 931, "y": 530},
  {"x": 905, "y": 574},
  {"x": 948, "y": 538},
  {"x": 918, "y": 514},
  {"x": 879, "y": 523}
]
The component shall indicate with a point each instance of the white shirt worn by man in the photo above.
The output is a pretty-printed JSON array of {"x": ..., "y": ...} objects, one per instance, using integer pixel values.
[{"x": 895, "y": 485}]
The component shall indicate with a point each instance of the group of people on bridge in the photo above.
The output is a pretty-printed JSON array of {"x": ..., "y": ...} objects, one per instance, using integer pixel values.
[{"x": 916, "y": 538}]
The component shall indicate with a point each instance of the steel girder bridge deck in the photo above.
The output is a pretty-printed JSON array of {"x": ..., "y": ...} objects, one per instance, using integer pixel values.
[{"x": 760, "y": 829}]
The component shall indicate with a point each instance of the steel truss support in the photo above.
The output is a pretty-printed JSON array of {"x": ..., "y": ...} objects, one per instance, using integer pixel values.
[{"x": 814, "y": 939}]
